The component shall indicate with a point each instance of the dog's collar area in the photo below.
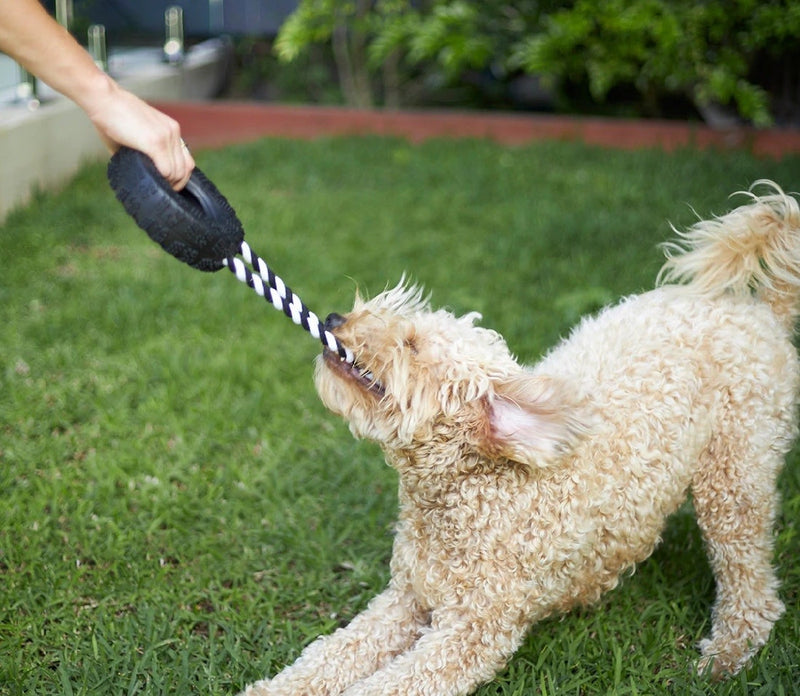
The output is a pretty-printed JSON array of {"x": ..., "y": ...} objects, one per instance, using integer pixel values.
[{"x": 354, "y": 372}]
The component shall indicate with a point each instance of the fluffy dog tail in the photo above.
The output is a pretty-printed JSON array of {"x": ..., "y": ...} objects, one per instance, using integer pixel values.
[{"x": 753, "y": 250}]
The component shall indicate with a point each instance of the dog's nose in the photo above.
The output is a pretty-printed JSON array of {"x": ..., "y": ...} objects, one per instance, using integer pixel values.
[{"x": 333, "y": 321}]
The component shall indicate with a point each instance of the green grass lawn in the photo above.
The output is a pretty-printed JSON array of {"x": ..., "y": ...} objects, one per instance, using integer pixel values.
[{"x": 178, "y": 512}]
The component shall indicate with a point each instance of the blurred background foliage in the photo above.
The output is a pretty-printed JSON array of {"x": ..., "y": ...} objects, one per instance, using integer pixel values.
[{"x": 725, "y": 61}]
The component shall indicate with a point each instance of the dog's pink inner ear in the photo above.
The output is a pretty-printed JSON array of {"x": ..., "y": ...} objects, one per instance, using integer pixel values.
[{"x": 531, "y": 422}]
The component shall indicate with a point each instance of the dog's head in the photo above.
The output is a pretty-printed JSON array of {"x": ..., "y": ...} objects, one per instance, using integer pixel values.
[{"x": 427, "y": 378}]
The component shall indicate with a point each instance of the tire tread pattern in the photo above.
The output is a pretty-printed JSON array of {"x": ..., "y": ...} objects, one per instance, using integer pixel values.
[{"x": 196, "y": 225}]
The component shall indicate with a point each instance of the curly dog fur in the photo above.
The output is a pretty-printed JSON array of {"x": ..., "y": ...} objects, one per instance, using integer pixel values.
[{"x": 525, "y": 491}]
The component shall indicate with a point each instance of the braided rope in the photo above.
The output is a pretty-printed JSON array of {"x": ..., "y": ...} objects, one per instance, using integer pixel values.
[{"x": 282, "y": 298}]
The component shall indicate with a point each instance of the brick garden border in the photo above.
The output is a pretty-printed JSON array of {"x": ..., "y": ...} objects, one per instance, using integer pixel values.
[{"x": 219, "y": 123}]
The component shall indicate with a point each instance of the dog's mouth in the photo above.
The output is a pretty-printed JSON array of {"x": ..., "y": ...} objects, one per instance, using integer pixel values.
[{"x": 354, "y": 372}]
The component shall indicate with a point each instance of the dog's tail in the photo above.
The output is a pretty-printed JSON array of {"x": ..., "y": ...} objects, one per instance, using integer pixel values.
[{"x": 753, "y": 250}]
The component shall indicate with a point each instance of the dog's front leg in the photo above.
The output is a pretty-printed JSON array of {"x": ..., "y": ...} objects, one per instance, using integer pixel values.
[
  {"x": 390, "y": 624},
  {"x": 459, "y": 652}
]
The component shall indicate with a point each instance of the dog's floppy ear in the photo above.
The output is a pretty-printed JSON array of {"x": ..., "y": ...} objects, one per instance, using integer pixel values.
[{"x": 532, "y": 419}]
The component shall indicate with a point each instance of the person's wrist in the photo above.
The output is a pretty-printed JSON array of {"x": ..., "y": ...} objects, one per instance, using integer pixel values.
[{"x": 96, "y": 91}]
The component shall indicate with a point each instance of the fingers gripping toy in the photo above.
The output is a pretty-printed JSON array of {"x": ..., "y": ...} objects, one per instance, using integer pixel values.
[{"x": 199, "y": 227}]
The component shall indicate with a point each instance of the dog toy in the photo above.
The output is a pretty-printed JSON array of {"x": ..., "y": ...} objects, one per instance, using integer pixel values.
[{"x": 198, "y": 226}]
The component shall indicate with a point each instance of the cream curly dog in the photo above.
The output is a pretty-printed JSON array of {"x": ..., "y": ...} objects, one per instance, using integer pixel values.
[{"x": 525, "y": 491}]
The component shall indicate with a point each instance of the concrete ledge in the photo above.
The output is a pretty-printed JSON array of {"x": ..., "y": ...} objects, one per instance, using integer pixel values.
[{"x": 43, "y": 148}]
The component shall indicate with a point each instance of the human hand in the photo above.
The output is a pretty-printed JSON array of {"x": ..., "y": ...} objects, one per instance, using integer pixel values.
[{"x": 122, "y": 118}]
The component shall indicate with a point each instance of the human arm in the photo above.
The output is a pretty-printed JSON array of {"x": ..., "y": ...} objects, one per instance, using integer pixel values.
[{"x": 43, "y": 47}]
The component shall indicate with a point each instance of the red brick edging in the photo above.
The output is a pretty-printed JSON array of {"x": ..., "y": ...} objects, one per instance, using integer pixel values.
[{"x": 220, "y": 123}]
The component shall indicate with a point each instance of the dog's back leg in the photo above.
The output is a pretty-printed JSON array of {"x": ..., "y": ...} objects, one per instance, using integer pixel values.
[{"x": 735, "y": 500}]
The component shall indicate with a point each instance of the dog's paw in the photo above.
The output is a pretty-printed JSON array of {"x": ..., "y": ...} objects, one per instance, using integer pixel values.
[
  {"x": 259, "y": 688},
  {"x": 720, "y": 662},
  {"x": 736, "y": 636}
]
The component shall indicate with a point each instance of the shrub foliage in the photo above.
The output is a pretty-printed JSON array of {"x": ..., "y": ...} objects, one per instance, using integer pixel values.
[{"x": 710, "y": 53}]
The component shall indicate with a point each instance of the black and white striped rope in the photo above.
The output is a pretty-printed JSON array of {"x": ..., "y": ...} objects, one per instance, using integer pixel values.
[{"x": 270, "y": 286}]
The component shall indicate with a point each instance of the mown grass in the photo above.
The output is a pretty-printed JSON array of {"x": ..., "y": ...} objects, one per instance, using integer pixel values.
[{"x": 179, "y": 514}]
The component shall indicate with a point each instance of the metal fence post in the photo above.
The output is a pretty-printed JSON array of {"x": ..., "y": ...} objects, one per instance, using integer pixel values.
[
  {"x": 97, "y": 46},
  {"x": 173, "y": 45}
]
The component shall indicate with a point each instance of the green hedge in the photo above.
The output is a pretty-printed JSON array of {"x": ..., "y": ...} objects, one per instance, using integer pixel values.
[{"x": 708, "y": 53}]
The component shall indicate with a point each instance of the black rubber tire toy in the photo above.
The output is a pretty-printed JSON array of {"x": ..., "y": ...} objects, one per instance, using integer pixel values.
[{"x": 196, "y": 225}]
